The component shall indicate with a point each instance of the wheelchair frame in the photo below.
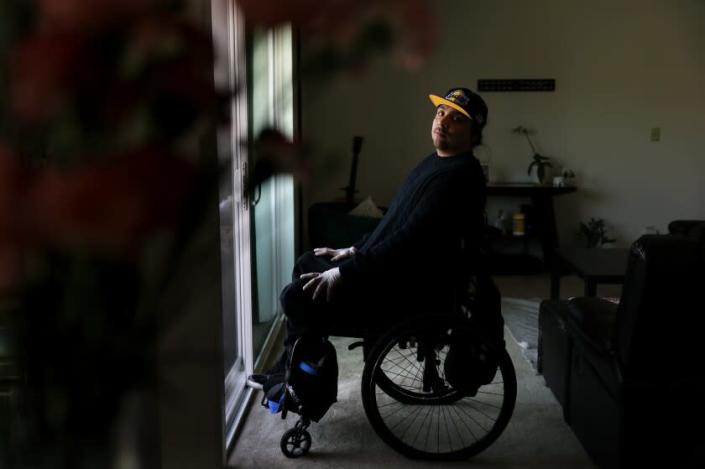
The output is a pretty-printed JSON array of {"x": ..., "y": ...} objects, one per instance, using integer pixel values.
[{"x": 411, "y": 396}]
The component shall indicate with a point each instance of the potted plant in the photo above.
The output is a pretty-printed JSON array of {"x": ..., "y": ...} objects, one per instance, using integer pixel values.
[
  {"x": 594, "y": 233},
  {"x": 539, "y": 161}
]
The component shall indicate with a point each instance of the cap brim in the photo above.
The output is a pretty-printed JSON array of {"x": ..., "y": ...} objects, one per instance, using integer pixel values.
[{"x": 437, "y": 101}]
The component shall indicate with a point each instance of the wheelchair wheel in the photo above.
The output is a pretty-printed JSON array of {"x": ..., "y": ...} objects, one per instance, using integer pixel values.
[
  {"x": 416, "y": 411},
  {"x": 295, "y": 442}
]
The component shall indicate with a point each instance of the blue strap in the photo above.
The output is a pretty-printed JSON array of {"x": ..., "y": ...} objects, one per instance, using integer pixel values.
[
  {"x": 273, "y": 407},
  {"x": 308, "y": 368},
  {"x": 276, "y": 407}
]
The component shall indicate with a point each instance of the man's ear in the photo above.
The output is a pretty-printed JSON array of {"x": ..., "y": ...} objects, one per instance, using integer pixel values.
[{"x": 475, "y": 134}]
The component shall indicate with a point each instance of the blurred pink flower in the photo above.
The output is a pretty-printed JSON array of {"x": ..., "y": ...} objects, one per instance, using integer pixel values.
[
  {"x": 111, "y": 205},
  {"x": 421, "y": 32},
  {"x": 162, "y": 56},
  {"x": 88, "y": 14},
  {"x": 184, "y": 54},
  {"x": 44, "y": 70},
  {"x": 340, "y": 21}
]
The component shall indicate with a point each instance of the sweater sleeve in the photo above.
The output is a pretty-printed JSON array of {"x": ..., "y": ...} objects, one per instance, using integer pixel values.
[
  {"x": 443, "y": 210},
  {"x": 361, "y": 242}
]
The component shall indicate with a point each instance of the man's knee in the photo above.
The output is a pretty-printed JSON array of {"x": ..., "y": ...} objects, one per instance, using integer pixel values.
[
  {"x": 303, "y": 265},
  {"x": 292, "y": 296},
  {"x": 306, "y": 258},
  {"x": 309, "y": 262}
]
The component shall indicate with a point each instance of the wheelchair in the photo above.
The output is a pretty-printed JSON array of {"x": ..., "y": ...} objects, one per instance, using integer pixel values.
[{"x": 408, "y": 398}]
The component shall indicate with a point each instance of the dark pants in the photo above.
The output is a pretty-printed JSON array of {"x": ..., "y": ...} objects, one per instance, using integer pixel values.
[
  {"x": 303, "y": 315},
  {"x": 367, "y": 305},
  {"x": 375, "y": 306}
]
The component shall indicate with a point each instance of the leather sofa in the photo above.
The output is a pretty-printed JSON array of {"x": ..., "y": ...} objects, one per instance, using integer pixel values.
[
  {"x": 554, "y": 349},
  {"x": 630, "y": 376},
  {"x": 692, "y": 229}
]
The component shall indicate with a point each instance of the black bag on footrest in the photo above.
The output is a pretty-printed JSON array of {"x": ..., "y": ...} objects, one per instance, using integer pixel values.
[{"x": 310, "y": 385}]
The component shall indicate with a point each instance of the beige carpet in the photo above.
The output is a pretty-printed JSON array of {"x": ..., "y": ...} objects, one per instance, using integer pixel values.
[
  {"x": 521, "y": 317},
  {"x": 536, "y": 437}
]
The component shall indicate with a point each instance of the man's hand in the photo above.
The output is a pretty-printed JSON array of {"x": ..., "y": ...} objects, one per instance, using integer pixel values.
[
  {"x": 337, "y": 254},
  {"x": 324, "y": 282}
]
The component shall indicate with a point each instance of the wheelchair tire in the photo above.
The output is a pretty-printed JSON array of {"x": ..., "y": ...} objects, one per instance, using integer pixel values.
[
  {"x": 427, "y": 422},
  {"x": 295, "y": 442}
]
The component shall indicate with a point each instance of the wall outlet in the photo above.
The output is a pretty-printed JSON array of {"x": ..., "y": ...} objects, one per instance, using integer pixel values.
[{"x": 656, "y": 134}]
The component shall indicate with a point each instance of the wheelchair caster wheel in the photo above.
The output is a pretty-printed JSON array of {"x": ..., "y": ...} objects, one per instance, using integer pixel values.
[{"x": 295, "y": 442}]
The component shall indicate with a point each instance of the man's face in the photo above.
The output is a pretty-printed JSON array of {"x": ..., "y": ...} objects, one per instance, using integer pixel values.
[{"x": 451, "y": 131}]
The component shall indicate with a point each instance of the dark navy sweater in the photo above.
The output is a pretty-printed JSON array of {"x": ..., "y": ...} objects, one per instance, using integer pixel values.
[{"x": 418, "y": 240}]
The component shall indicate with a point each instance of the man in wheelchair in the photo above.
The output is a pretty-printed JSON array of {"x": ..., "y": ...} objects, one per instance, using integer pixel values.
[{"x": 421, "y": 255}]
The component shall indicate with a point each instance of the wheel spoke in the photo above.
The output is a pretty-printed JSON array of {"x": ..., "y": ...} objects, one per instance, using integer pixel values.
[
  {"x": 462, "y": 419},
  {"x": 401, "y": 407},
  {"x": 390, "y": 372},
  {"x": 409, "y": 369},
  {"x": 400, "y": 363},
  {"x": 428, "y": 431},
  {"x": 415, "y": 413},
  {"x": 445, "y": 421},
  {"x": 473, "y": 418}
]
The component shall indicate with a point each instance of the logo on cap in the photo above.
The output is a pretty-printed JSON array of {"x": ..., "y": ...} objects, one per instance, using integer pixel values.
[{"x": 458, "y": 96}]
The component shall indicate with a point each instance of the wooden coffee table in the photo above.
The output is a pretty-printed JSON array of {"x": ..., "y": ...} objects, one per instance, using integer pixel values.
[{"x": 593, "y": 266}]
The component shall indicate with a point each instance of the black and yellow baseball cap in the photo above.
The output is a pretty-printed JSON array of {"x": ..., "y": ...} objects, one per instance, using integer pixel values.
[{"x": 464, "y": 101}]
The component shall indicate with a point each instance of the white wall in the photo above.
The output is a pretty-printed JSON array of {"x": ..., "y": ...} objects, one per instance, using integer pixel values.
[{"x": 621, "y": 68}]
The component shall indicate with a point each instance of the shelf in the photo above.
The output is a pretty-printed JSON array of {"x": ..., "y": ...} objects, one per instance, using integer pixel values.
[
  {"x": 527, "y": 237},
  {"x": 525, "y": 189},
  {"x": 515, "y": 264},
  {"x": 542, "y": 221}
]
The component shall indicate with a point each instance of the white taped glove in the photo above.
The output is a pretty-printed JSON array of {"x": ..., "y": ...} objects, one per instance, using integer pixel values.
[
  {"x": 324, "y": 282},
  {"x": 336, "y": 254}
]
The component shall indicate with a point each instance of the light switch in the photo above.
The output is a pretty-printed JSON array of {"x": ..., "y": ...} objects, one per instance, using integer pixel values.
[{"x": 656, "y": 134}]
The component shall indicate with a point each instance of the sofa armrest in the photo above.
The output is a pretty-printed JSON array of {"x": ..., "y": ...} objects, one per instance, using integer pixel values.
[
  {"x": 591, "y": 323},
  {"x": 594, "y": 321}
]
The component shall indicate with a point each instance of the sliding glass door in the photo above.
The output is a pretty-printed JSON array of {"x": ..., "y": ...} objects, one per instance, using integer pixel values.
[
  {"x": 230, "y": 74},
  {"x": 271, "y": 106},
  {"x": 257, "y": 224}
]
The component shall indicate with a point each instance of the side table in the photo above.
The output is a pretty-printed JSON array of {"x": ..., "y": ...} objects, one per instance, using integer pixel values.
[
  {"x": 593, "y": 266},
  {"x": 544, "y": 221}
]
